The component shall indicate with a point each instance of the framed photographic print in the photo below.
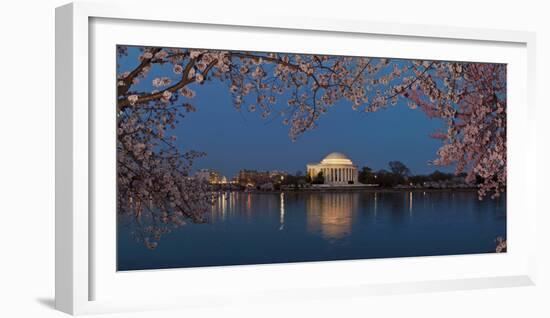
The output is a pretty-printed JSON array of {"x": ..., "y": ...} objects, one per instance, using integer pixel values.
[{"x": 259, "y": 156}]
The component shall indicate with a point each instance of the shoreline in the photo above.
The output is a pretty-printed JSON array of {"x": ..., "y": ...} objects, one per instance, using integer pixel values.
[{"x": 353, "y": 189}]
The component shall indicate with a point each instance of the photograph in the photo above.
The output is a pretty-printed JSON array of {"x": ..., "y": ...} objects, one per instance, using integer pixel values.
[{"x": 228, "y": 157}]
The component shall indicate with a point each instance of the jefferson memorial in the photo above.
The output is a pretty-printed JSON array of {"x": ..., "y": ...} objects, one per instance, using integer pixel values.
[{"x": 337, "y": 169}]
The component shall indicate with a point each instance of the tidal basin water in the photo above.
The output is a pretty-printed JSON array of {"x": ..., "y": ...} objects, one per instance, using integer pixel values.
[{"x": 260, "y": 228}]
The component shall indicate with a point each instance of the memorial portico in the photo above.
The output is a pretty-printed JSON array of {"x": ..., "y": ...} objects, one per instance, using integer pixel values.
[{"x": 337, "y": 169}]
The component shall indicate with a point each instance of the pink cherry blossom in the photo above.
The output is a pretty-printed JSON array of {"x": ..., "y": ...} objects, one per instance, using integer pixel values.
[
  {"x": 133, "y": 99},
  {"x": 178, "y": 69}
]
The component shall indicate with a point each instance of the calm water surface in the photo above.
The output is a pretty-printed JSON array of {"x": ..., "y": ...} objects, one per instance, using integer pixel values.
[{"x": 250, "y": 228}]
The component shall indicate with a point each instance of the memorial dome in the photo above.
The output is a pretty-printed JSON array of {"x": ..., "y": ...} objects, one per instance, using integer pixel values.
[{"x": 336, "y": 158}]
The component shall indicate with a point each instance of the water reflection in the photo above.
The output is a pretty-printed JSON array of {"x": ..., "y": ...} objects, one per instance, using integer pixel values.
[
  {"x": 223, "y": 205},
  {"x": 410, "y": 203},
  {"x": 375, "y": 203},
  {"x": 282, "y": 212},
  {"x": 331, "y": 214},
  {"x": 257, "y": 228}
]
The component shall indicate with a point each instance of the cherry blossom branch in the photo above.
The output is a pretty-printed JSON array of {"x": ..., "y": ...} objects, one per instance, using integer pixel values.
[
  {"x": 185, "y": 80},
  {"x": 128, "y": 80}
]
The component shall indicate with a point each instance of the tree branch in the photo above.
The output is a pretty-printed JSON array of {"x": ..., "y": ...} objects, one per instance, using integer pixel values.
[
  {"x": 124, "y": 102},
  {"x": 128, "y": 80}
]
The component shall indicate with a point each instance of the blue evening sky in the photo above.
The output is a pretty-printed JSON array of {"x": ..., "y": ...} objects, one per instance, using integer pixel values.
[{"x": 235, "y": 140}]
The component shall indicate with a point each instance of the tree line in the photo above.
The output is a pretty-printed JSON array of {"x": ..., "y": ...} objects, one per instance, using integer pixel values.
[{"x": 400, "y": 174}]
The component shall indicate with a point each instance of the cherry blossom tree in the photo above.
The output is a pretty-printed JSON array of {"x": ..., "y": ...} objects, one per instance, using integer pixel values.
[
  {"x": 471, "y": 98},
  {"x": 154, "y": 185}
]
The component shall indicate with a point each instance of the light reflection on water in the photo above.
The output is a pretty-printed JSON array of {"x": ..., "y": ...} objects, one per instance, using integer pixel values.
[
  {"x": 282, "y": 212},
  {"x": 253, "y": 228},
  {"x": 331, "y": 214}
]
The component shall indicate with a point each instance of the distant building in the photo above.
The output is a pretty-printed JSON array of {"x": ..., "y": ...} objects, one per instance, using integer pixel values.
[
  {"x": 337, "y": 169},
  {"x": 209, "y": 175},
  {"x": 277, "y": 176},
  {"x": 253, "y": 177}
]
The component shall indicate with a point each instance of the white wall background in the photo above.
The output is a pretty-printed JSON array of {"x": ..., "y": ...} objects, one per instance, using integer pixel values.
[{"x": 27, "y": 158}]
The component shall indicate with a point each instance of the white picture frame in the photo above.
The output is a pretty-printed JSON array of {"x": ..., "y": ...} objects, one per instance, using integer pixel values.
[{"x": 83, "y": 260}]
